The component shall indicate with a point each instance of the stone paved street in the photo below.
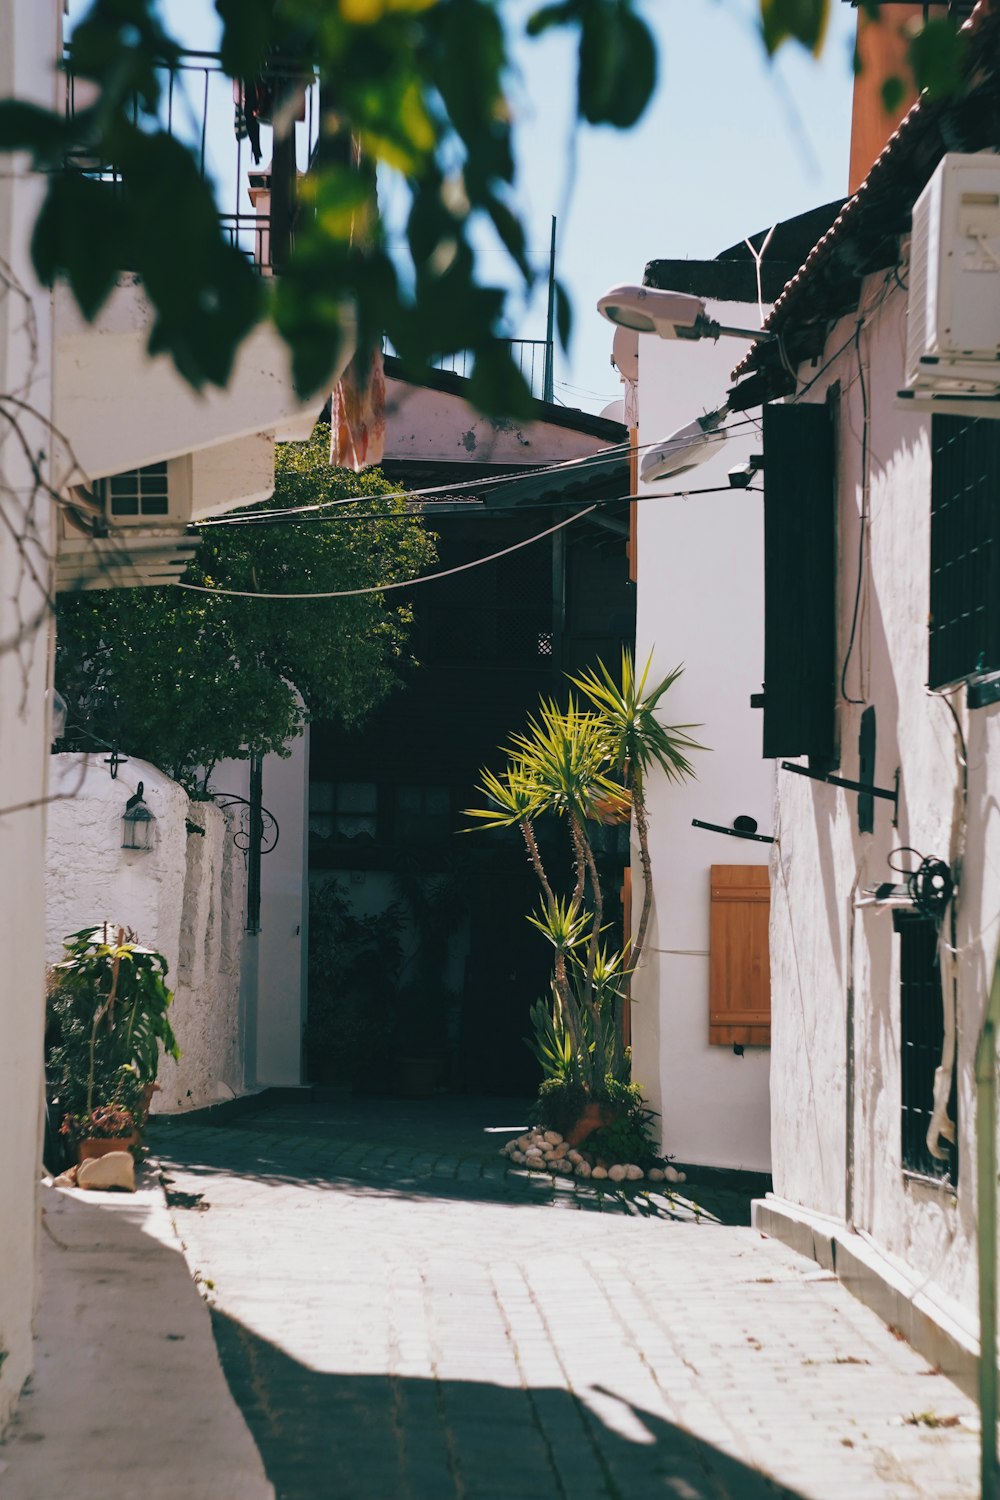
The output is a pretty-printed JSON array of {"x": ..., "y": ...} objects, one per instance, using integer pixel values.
[{"x": 400, "y": 1320}]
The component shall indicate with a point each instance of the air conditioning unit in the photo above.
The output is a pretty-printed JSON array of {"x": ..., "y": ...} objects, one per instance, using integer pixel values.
[{"x": 953, "y": 311}]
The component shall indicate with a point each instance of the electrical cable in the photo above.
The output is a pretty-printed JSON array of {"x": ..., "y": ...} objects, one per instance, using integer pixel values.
[
  {"x": 617, "y": 453},
  {"x": 491, "y": 513},
  {"x": 477, "y": 562},
  {"x": 383, "y": 588}
]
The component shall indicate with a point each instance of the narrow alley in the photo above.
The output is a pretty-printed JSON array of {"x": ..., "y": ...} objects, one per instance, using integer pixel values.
[{"x": 399, "y": 1318}]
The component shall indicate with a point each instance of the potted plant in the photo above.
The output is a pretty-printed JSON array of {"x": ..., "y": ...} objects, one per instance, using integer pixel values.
[
  {"x": 106, "y": 1022},
  {"x": 586, "y": 765}
]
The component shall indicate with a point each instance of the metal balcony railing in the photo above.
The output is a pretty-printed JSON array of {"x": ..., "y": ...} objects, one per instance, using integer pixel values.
[
  {"x": 530, "y": 356},
  {"x": 229, "y": 128},
  {"x": 252, "y": 168}
]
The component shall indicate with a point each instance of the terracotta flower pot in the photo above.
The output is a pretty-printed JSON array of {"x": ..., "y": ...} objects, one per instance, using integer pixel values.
[
  {"x": 100, "y": 1146},
  {"x": 593, "y": 1117}
]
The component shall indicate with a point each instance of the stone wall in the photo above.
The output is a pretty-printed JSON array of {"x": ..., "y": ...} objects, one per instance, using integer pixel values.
[{"x": 186, "y": 898}]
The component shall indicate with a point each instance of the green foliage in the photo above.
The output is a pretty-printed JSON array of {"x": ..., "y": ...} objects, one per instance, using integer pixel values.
[
  {"x": 420, "y": 84},
  {"x": 185, "y": 680},
  {"x": 106, "y": 1021},
  {"x": 550, "y": 1042},
  {"x": 434, "y": 906},
  {"x": 354, "y": 964},
  {"x": 559, "y": 1104},
  {"x": 936, "y": 54},
  {"x": 630, "y": 1135},
  {"x": 804, "y": 21},
  {"x": 586, "y": 764},
  {"x": 633, "y": 736},
  {"x": 563, "y": 923}
]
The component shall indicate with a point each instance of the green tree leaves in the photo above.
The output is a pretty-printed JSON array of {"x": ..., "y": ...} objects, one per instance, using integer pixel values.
[
  {"x": 184, "y": 679},
  {"x": 421, "y": 86},
  {"x": 803, "y": 21}
]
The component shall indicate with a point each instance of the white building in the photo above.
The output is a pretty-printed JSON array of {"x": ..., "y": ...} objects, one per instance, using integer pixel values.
[
  {"x": 700, "y": 999},
  {"x": 89, "y": 399},
  {"x": 882, "y": 658}
]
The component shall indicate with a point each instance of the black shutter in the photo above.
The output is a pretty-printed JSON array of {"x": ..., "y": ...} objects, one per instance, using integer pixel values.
[
  {"x": 965, "y": 549},
  {"x": 800, "y": 559}
]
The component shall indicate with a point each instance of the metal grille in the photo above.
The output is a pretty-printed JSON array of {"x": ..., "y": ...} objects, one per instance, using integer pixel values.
[
  {"x": 965, "y": 549},
  {"x": 921, "y": 1037}
]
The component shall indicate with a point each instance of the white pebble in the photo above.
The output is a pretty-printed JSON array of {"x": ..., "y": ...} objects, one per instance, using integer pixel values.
[
  {"x": 563, "y": 1166},
  {"x": 617, "y": 1172},
  {"x": 582, "y": 1170},
  {"x": 523, "y": 1142},
  {"x": 634, "y": 1173},
  {"x": 655, "y": 1174},
  {"x": 553, "y": 1137},
  {"x": 517, "y": 1156},
  {"x": 671, "y": 1174},
  {"x": 599, "y": 1172},
  {"x": 574, "y": 1157},
  {"x": 682, "y": 1177}
]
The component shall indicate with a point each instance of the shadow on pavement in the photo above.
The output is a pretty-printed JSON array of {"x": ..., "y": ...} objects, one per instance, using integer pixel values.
[
  {"x": 329, "y": 1436},
  {"x": 445, "y": 1148}
]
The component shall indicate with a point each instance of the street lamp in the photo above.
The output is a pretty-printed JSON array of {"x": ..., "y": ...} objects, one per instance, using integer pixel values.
[
  {"x": 684, "y": 448},
  {"x": 673, "y": 315}
]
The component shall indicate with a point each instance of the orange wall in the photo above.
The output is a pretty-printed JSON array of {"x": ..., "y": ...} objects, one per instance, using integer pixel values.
[{"x": 882, "y": 48}]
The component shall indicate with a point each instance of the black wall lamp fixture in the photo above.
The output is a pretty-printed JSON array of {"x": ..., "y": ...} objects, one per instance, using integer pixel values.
[
  {"x": 863, "y": 788},
  {"x": 743, "y": 827},
  {"x": 137, "y": 823}
]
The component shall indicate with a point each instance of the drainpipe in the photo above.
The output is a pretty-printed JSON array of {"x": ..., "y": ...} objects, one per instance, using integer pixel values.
[{"x": 986, "y": 1234}]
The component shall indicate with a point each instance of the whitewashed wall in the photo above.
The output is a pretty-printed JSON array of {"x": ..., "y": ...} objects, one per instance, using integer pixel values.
[
  {"x": 186, "y": 898},
  {"x": 850, "y": 1166},
  {"x": 274, "y": 959},
  {"x": 700, "y": 603},
  {"x": 30, "y": 42}
]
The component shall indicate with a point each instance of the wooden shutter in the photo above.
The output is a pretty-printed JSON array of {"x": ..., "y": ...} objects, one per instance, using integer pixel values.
[
  {"x": 739, "y": 966},
  {"x": 800, "y": 559}
]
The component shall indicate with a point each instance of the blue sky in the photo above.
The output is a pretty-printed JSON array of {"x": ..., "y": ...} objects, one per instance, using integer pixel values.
[{"x": 730, "y": 144}]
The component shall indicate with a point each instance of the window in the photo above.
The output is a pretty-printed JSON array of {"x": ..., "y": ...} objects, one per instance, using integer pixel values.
[
  {"x": 423, "y": 814},
  {"x": 965, "y": 549},
  {"x": 921, "y": 1039},
  {"x": 139, "y": 492},
  {"x": 800, "y": 559},
  {"x": 344, "y": 811}
]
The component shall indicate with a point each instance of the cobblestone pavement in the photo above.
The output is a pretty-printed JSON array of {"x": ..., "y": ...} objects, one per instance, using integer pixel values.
[{"x": 401, "y": 1320}]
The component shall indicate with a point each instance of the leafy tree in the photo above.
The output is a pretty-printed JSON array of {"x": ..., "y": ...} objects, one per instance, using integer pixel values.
[
  {"x": 420, "y": 85},
  {"x": 186, "y": 679}
]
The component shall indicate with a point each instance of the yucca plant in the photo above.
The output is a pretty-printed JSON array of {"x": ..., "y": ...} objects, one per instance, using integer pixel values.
[
  {"x": 586, "y": 763},
  {"x": 636, "y": 742}
]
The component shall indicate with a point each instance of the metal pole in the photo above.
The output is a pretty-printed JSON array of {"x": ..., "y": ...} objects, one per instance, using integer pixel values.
[
  {"x": 986, "y": 1234},
  {"x": 549, "y": 382}
]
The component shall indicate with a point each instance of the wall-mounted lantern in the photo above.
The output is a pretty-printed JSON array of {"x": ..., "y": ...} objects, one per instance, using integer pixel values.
[{"x": 137, "y": 823}]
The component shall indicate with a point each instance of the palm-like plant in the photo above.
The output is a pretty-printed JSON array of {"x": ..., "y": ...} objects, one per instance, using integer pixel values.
[
  {"x": 587, "y": 763},
  {"x": 635, "y": 743}
]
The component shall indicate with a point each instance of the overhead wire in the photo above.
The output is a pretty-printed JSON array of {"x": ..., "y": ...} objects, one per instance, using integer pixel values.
[
  {"x": 497, "y": 513},
  {"x": 477, "y": 562},
  {"x": 616, "y": 453}
]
